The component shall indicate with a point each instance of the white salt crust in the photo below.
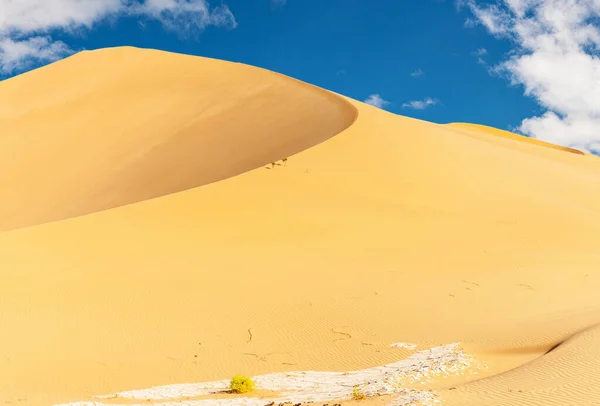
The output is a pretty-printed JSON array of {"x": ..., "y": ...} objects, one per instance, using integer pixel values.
[{"x": 310, "y": 386}]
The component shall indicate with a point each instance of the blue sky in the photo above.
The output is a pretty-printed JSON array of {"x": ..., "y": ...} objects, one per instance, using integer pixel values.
[{"x": 437, "y": 60}]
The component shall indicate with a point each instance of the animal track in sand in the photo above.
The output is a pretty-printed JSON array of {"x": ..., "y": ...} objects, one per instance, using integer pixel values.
[
  {"x": 348, "y": 336},
  {"x": 263, "y": 358}
]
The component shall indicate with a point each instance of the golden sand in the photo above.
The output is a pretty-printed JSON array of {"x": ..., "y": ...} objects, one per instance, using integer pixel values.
[
  {"x": 377, "y": 229},
  {"x": 112, "y": 127}
]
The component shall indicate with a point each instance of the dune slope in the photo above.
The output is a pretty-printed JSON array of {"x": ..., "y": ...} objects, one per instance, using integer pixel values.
[
  {"x": 395, "y": 230},
  {"x": 568, "y": 375},
  {"x": 111, "y": 127}
]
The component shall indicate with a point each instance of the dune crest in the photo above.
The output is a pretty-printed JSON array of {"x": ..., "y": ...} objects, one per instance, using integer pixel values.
[
  {"x": 482, "y": 129},
  {"x": 394, "y": 230}
]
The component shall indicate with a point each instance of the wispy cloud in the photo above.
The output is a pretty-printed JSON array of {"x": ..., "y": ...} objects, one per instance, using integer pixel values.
[
  {"x": 479, "y": 54},
  {"x": 555, "y": 59},
  {"x": 27, "y": 26},
  {"x": 377, "y": 101},
  {"x": 418, "y": 73},
  {"x": 420, "y": 104},
  {"x": 278, "y": 3}
]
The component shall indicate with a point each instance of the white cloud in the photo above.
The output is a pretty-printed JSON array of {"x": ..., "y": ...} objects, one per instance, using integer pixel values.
[
  {"x": 186, "y": 15},
  {"x": 555, "y": 59},
  {"x": 17, "y": 55},
  {"x": 418, "y": 73},
  {"x": 26, "y": 26},
  {"x": 420, "y": 104},
  {"x": 377, "y": 101}
]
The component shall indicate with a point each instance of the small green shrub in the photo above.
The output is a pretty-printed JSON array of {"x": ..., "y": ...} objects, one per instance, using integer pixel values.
[
  {"x": 357, "y": 394},
  {"x": 241, "y": 384}
]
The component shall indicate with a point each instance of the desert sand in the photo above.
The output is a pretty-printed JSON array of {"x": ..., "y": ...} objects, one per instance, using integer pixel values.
[{"x": 147, "y": 240}]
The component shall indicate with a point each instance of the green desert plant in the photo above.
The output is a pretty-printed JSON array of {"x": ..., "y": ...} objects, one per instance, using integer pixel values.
[
  {"x": 241, "y": 384},
  {"x": 357, "y": 394}
]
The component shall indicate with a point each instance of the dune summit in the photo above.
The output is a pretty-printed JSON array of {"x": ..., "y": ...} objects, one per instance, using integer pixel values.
[{"x": 147, "y": 242}]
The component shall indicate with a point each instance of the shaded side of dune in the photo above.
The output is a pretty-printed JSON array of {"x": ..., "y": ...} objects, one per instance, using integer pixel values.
[{"x": 116, "y": 126}]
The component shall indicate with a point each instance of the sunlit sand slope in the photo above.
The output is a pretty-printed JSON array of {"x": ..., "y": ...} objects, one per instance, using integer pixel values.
[
  {"x": 107, "y": 128},
  {"x": 568, "y": 375},
  {"x": 393, "y": 230}
]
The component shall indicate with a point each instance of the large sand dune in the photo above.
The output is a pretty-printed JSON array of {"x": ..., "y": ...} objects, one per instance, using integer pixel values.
[
  {"x": 392, "y": 230},
  {"x": 112, "y": 127}
]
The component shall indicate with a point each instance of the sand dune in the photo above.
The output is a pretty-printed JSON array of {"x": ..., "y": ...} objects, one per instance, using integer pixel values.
[
  {"x": 568, "y": 375},
  {"x": 108, "y": 128},
  {"x": 393, "y": 230}
]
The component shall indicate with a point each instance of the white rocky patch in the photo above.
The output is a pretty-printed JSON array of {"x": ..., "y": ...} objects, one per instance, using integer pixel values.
[
  {"x": 408, "y": 346},
  {"x": 310, "y": 386}
]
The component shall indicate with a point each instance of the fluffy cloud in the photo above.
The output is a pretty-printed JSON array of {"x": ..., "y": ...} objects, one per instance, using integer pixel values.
[
  {"x": 555, "y": 59},
  {"x": 377, "y": 101},
  {"x": 420, "y": 104},
  {"x": 26, "y": 26},
  {"x": 17, "y": 55}
]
